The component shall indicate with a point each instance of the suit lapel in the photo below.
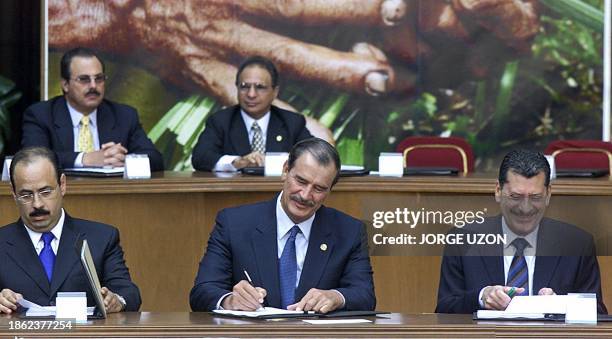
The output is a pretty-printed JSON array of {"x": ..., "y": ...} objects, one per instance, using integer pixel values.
[
  {"x": 106, "y": 124},
  {"x": 63, "y": 124},
  {"x": 316, "y": 258},
  {"x": 238, "y": 134},
  {"x": 24, "y": 255},
  {"x": 545, "y": 264},
  {"x": 493, "y": 256},
  {"x": 67, "y": 256},
  {"x": 266, "y": 253},
  {"x": 276, "y": 136}
]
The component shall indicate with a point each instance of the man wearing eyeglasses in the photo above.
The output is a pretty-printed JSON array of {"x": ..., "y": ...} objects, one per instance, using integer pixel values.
[
  {"x": 37, "y": 253},
  {"x": 239, "y": 136},
  {"x": 83, "y": 128},
  {"x": 541, "y": 256}
]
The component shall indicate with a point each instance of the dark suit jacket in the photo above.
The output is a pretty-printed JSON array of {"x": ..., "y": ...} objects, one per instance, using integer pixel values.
[
  {"x": 48, "y": 124},
  {"x": 22, "y": 271},
  {"x": 244, "y": 238},
  {"x": 565, "y": 261},
  {"x": 226, "y": 134}
]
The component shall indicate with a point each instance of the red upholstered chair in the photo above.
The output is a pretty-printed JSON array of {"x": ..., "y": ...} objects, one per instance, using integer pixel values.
[
  {"x": 437, "y": 152},
  {"x": 581, "y": 154}
]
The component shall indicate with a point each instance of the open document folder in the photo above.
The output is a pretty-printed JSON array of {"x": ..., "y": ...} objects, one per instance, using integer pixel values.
[
  {"x": 278, "y": 313},
  {"x": 266, "y": 313},
  {"x": 530, "y": 307}
]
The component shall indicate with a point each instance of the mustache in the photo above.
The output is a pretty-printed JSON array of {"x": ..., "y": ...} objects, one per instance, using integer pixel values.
[
  {"x": 93, "y": 91},
  {"x": 520, "y": 213},
  {"x": 299, "y": 199},
  {"x": 39, "y": 212}
]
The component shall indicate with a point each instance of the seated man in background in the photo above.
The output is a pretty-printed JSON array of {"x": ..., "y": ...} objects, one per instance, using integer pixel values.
[
  {"x": 299, "y": 254},
  {"x": 239, "y": 136},
  {"x": 541, "y": 256},
  {"x": 37, "y": 253},
  {"x": 81, "y": 127}
]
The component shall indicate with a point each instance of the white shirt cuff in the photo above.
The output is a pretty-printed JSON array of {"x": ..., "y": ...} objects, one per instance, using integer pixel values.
[
  {"x": 218, "y": 306},
  {"x": 343, "y": 299},
  {"x": 78, "y": 162},
  {"x": 122, "y": 301},
  {"x": 225, "y": 164},
  {"x": 480, "y": 302}
]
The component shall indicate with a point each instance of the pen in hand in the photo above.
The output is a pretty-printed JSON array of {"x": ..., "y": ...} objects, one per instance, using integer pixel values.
[
  {"x": 246, "y": 274},
  {"x": 510, "y": 293}
]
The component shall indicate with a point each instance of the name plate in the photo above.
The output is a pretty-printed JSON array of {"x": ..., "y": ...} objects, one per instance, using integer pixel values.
[
  {"x": 71, "y": 305},
  {"x": 551, "y": 163},
  {"x": 137, "y": 167},
  {"x": 274, "y": 162},
  {"x": 6, "y": 174},
  {"x": 581, "y": 308},
  {"x": 391, "y": 164}
]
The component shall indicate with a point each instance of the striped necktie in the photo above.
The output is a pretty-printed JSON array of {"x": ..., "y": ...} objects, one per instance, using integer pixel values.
[{"x": 518, "y": 275}]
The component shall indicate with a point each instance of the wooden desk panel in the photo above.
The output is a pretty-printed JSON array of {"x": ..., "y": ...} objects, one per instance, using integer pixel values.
[
  {"x": 165, "y": 223},
  {"x": 183, "y": 324}
]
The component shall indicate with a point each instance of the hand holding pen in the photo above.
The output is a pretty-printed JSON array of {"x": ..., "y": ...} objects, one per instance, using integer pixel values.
[
  {"x": 245, "y": 296},
  {"x": 498, "y": 297}
]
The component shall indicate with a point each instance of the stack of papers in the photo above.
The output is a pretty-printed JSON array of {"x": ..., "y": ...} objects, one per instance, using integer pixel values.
[
  {"x": 35, "y": 310},
  {"x": 265, "y": 312}
]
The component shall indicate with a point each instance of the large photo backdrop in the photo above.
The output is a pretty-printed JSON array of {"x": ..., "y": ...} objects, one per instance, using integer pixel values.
[{"x": 367, "y": 73}]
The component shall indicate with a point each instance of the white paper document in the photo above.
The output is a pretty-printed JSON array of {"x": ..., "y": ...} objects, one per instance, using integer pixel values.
[
  {"x": 336, "y": 321},
  {"x": 101, "y": 170},
  {"x": 35, "y": 310},
  {"x": 492, "y": 314},
  {"x": 263, "y": 312},
  {"x": 556, "y": 304}
]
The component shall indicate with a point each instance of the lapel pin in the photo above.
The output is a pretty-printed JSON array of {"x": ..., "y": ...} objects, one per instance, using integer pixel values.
[
  {"x": 323, "y": 247},
  {"x": 279, "y": 138}
]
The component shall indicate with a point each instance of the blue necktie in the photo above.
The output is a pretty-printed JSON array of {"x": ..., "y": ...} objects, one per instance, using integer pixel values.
[
  {"x": 518, "y": 275},
  {"x": 47, "y": 257},
  {"x": 287, "y": 268}
]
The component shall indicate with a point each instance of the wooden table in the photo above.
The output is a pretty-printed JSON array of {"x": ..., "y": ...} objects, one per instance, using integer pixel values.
[
  {"x": 184, "y": 324},
  {"x": 165, "y": 223}
]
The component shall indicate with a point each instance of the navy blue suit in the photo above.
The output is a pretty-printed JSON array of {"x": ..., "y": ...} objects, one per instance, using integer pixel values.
[
  {"x": 226, "y": 134},
  {"x": 565, "y": 261},
  {"x": 244, "y": 238},
  {"x": 48, "y": 124},
  {"x": 22, "y": 271}
]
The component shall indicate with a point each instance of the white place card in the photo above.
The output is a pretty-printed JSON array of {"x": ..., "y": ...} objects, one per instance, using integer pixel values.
[
  {"x": 137, "y": 166},
  {"x": 6, "y": 175},
  {"x": 391, "y": 164},
  {"x": 274, "y": 162},
  {"x": 581, "y": 308},
  {"x": 71, "y": 305}
]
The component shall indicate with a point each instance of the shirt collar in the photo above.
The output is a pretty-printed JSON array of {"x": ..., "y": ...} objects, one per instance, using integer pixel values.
[
  {"x": 284, "y": 223},
  {"x": 57, "y": 230},
  {"x": 532, "y": 238},
  {"x": 76, "y": 116},
  {"x": 262, "y": 122}
]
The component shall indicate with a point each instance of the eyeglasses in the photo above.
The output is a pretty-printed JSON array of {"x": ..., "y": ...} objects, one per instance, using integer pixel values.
[
  {"x": 259, "y": 88},
  {"x": 28, "y": 198},
  {"x": 86, "y": 79},
  {"x": 533, "y": 198}
]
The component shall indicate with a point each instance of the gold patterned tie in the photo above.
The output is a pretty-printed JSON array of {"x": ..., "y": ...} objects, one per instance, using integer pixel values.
[{"x": 85, "y": 138}]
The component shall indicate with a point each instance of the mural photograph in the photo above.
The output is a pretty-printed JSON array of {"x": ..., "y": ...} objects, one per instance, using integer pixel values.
[{"x": 365, "y": 73}]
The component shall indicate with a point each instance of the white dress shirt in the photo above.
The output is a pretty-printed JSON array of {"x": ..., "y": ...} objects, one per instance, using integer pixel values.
[
  {"x": 510, "y": 250},
  {"x": 224, "y": 164},
  {"x": 37, "y": 240}
]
